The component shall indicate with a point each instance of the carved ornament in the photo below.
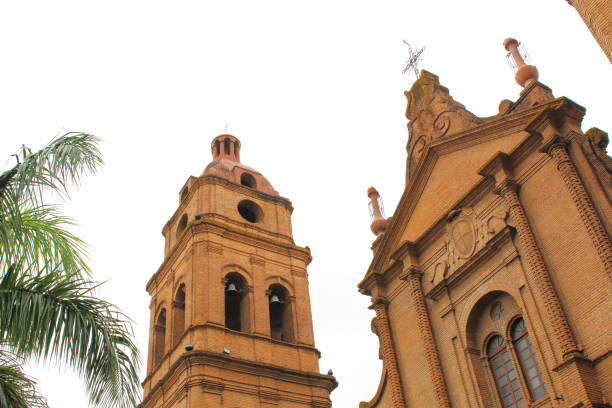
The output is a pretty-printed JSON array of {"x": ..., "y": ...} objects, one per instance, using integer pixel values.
[
  {"x": 432, "y": 113},
  {"x": 594, "y": 148},
  {"x": 466, "y": 234}
]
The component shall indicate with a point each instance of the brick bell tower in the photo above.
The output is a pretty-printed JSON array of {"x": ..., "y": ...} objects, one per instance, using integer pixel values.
[{"x": 231, "y": 324}]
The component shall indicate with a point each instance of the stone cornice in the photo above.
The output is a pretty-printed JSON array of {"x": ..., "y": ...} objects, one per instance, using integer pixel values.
[
  {"x": 221, "y": 229},
  {"x": 211, "y": 179},
  {"x": 492, "y": 129},
  {"x": 201, "y": 357}
]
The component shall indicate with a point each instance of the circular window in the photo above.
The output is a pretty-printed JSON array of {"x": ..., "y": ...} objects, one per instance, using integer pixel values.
[{"x": 250, "y": 211}]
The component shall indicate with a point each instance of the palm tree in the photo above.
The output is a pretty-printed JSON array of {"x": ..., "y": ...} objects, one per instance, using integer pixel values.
[{"x": 48, "y": 308}]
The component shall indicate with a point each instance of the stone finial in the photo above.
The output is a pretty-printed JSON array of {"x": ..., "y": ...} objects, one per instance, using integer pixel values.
[
  {"x": 525, "y": 74},
  {"x": 378, "y": 221}
]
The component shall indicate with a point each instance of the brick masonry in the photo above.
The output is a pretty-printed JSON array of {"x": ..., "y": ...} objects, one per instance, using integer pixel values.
[{"x": 499, "y": 223}]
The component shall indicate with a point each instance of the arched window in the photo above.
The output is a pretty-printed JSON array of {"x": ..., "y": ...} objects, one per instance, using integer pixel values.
[
  {"x": 503, "y": 373},
  {"x": 236, "y": 303},
  {"x": 182, "y": 224},
  {"x": 248, "y": 180},
  {"x": 178, "y": 315},
  {"x": 527, "y": 360},
  {"x": 159, "y": 338},
  {"x": 281, "y": 322},
  {"x": 183, "y": 194}
]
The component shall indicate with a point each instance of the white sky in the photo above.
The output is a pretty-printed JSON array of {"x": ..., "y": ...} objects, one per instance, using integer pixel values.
[{"x": 314, "y": 92}]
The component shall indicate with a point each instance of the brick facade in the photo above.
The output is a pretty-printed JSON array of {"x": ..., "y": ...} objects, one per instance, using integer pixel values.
[
  {"x": 230, "y": 321},
  {"x": 495, "y": 266}
]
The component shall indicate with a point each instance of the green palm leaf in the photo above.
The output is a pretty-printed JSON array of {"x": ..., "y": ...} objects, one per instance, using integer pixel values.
[
  {"x": 54, "y": 316},
  {"x": 17, "y": 390},
  {"x": 38, "y": 239},
  {"x": 47, "y": 305}
]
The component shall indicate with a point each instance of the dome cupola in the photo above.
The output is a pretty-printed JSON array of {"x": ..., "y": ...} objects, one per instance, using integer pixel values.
[{"x": 226, "y": 164}]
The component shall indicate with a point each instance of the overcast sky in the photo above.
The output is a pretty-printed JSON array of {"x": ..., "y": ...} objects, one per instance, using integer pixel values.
[{"x": 314, "y": 92}]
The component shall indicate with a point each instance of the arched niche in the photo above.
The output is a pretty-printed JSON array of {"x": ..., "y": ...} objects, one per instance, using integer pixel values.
[
  {"x": 178, "y": 314},
  {"x": 182, "y": 224},
  {"x": 159, "y": 337}
]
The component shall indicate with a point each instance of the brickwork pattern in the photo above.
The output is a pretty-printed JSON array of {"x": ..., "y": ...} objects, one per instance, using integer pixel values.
[
  {"x": 597, "y": 15},
  {"x": 388, "y": 353},
  {"x": 537, "y": 270},
  {"x": 584, "y": 204},
  {"x": 424, "y": 326}
]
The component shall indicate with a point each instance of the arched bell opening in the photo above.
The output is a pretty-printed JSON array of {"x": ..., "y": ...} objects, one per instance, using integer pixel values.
[
  {"x": 159, "y": 337},
  {"x": 280, "y": 312},
  {"x": 178, "y": 314},
  {"x": 236, "y": 303}
]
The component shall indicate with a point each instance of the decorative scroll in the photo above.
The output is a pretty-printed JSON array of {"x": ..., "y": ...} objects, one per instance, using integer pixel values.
[
  {"x": 467, "y": 234},
  {"x": 433, "y": 113}
]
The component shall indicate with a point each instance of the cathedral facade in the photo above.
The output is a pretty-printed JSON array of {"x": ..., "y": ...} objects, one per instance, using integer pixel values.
[
  {"x": 492, "y": 281},
  {"x": 231, "y": 324}
]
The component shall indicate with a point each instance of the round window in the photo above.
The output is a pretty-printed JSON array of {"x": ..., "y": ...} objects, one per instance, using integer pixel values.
[{"x": 250, "y": 211}]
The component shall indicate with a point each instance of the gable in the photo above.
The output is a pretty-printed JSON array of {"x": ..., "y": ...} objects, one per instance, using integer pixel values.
[{"x": 452, "y": 177}]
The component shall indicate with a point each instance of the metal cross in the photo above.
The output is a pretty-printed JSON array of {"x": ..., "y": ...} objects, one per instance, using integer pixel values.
[{"x": 412, "y": 63}]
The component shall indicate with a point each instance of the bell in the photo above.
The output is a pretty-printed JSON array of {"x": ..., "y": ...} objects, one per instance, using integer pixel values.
[
  {"x": 275, "y": 300},
  {"x": 232, "y": 289}
]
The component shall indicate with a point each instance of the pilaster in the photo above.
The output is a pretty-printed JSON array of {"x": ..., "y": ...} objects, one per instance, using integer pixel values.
[
  {"x": 413, "y": 277},
  {"x": 557, "y": 150},
  {"x": 388, "y": 351}
]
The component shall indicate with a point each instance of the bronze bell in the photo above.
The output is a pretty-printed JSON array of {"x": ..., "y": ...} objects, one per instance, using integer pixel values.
[
  {"x": 275, "y": 300},
  {"x": 232, "y": 289}
]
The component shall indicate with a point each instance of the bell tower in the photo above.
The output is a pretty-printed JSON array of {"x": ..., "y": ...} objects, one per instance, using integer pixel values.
[{"x": 231, "y": 324}]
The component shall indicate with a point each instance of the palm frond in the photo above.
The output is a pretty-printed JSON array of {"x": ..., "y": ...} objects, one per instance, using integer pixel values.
[
  {"x": 37, "y": 237},
  {"x": 61, "y": 163},
  {"x": 17, "y": 390},
  {"x": 55, "y": 316},
  {"x": 31, "y": 230}
]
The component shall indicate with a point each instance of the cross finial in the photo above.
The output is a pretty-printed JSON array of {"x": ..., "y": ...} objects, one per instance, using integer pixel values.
[
  {"x": 225, "y": 129},
  {"x": 414, "y": 57}
]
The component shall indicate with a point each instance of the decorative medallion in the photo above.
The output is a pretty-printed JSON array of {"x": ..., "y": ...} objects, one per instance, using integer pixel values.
[
  {"x": 467, "y": 233},
  {"x": 463, "y": 237}
]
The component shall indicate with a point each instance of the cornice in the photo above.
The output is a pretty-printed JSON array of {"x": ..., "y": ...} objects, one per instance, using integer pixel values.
[
  {"x": 492, "y": 129},
  {"x": 216, "y": 180},
  {"x": 202, "y": 357},
  {"x": 224, "y": 230}
]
